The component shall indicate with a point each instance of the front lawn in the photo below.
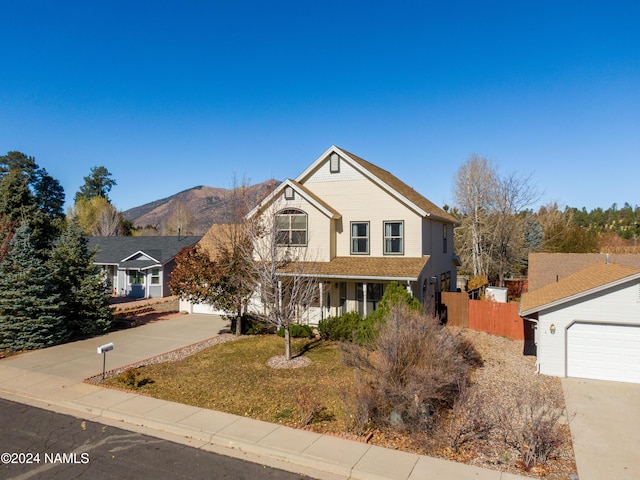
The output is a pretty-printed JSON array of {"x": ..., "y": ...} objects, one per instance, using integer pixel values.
[{"x": 234, "y": 377}]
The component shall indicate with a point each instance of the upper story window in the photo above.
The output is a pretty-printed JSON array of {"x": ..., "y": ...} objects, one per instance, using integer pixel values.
[
  {"x": 444, "y": 238},
  {"x": 393, "y": 238},
  {"x": 291, "y": 227},
  {"x": 359, "y": 237}
]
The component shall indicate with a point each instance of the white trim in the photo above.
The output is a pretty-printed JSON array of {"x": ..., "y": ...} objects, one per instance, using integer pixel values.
[
  {"x": 280, "y": 190},
  {"x": 142, "y": 252},
  {"x": 579, "y": 295},
  {"x": 300, "y": 178}
]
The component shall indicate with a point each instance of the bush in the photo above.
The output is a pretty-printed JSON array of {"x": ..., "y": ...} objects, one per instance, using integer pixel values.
[
  {"x": 252, "y": 326},
  {"x": 297, "y": 331},
  {"x": 350, "y": 327},
  {"x": 411, "y": 371},
  {"x": 394, "y": 294},
  {"x": 530, "y": 426}
]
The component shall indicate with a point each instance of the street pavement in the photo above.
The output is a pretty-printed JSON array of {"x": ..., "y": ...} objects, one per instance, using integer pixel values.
[
  {"x": 52, "y": 378},
  {"x": 40, "y": 444}
]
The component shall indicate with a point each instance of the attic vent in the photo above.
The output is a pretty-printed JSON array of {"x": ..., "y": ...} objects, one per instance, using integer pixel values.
[
  {"x": 334, "y": 163},
  {"x": 288, "y": 193}
]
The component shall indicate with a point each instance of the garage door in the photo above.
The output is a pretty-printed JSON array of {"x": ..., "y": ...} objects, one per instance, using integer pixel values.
[{"x": 605, "y": 352}]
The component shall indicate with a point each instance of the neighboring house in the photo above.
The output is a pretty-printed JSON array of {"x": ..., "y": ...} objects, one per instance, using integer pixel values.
[
  {"x": 363, "y": 228},
  {"x": 587, "y": 315},
  {"x": 139, "y": 266}
]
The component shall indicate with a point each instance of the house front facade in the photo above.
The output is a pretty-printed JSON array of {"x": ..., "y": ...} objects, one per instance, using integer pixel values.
[
  {"x": 139, "y": 266},
  {"x": 361, "y": 228},
  {"x": 587, "y": 322}
]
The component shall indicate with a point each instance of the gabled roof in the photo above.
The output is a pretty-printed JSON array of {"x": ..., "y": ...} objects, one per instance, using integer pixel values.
[
  {"x": 301, "y": 190},
  {"x": 591, "y": 279},
  {"x": 362, "y": 268},
  {"x": 123, "y": 250},
  {"x": 545, "y": 268},
  {"x": 386, "y": 181}
]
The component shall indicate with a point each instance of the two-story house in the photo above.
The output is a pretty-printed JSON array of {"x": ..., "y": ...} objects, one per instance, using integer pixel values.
[{"x": 363, "y": 228}]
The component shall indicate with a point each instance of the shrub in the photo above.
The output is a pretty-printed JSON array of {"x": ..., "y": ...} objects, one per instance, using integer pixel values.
[
  {"x": 470, "y": 419},
  {"x": 297, "y": 331},
  {"x": 412, "y": 370},
  {"x": 252, "y": 325},
  {"x": 349, "y": 327},
  {"x": 394, "y": 294},
  {"x": 530, "y": 425}
]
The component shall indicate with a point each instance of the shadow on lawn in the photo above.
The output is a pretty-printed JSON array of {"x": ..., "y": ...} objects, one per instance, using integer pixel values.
[{"x": 307, "y": 347}]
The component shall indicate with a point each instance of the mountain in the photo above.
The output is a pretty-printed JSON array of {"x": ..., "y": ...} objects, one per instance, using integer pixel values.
[{"x": 193, "y": 210}]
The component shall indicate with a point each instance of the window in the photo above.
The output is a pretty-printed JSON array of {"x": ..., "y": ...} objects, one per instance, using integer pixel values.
[
  {"x": 136, "y": 277},
  {"x": 444, "y": 238},
  {"x": 360, "y": 237},
  {"x": 334, "y": 163},
  {"x": 393, "y": 238},
  {"x": 291, "y": 227},
  {"x": 155, "y": 276}
]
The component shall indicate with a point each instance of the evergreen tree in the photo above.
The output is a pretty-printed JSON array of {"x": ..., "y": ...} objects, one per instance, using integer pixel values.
[
  {"x": 31, "y": 311},
  {"x": 81, "y": 284},
  {"x": 97, "y": 184}
]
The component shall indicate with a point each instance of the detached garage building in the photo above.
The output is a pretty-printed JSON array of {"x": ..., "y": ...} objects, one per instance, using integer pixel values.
[{"x": 588, "y": 323}]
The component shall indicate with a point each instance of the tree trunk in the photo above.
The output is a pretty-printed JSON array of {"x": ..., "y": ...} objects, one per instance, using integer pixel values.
[
  {"x": 239, "y": 323},
  {"x": 287, "y": 343}
]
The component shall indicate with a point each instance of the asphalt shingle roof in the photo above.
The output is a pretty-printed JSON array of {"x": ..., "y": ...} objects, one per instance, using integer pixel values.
[
  {"x": 582, "y": 281},
  {"x": 545, "y": 268},
  {"x": 401, "y": 268},
  {"x": 114, "y": 250}
]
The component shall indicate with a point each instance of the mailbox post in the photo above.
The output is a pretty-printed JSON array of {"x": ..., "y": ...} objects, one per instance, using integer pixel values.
[{"x": 103, "y": 349}]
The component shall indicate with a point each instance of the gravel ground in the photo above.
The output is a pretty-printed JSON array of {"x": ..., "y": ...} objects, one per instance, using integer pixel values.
[{"x": 503, "y": 378}]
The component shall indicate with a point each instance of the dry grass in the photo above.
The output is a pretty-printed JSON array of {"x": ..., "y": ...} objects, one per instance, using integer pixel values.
[{"x": 234, "y": 377}]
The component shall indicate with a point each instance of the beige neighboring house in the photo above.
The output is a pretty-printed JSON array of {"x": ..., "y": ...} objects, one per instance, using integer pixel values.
[
  {"x": 587, "y": 311},
  {"x": 362, "y": 228}
]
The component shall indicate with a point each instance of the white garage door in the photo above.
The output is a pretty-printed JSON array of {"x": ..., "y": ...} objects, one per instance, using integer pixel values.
[{"x": 604, "y": 352}]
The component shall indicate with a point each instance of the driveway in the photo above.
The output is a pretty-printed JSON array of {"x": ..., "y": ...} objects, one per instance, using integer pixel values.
[
  {"x": 605, "y": 426},
  {"x": 73, "y": 362}
]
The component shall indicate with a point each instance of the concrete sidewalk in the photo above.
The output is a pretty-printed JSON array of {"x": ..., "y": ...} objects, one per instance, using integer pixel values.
[{"x": 53, "y": 379}]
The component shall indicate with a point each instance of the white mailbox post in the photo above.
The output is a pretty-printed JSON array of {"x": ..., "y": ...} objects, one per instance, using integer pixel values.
[{"x": 103, "y": 349}]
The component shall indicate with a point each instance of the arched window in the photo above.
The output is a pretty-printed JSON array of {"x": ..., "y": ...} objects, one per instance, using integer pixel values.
[{"x": 291, "y": 227}]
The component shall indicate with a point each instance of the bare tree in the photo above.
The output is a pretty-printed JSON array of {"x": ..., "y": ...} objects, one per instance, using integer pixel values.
[
  {"x": 230, "y": 246},
  {"x": 493, "y": 217},
  {"x": 474, "y": 183},
  {"x": 181, "y": 219},
  {"x": 513, "y": 194},
  {"x": 284, "y": 275}
]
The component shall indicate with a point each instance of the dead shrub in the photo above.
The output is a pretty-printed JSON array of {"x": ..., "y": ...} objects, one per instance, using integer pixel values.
[
  {"x": 470, "y": 418},
  {"x": 529, "y": 424},
  {"x": 356, "y": 407},
  {"x": 412, "y": 371},
  {"x": 308, "y": 406}
]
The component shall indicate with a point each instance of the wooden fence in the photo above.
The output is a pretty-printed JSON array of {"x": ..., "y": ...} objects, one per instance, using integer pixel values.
[{"x": 491, "y": 317}]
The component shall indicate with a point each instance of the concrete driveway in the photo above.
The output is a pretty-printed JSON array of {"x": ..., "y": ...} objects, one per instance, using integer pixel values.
[{"x": 605, "y": 426}]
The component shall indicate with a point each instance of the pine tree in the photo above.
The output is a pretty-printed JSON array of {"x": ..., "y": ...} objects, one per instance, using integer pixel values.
[
  {"x": 31, "y": 311},
  {"x": 81, "y": 284}
]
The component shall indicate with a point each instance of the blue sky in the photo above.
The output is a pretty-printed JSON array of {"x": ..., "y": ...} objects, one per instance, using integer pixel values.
[{"x": 169, "y": 95}]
